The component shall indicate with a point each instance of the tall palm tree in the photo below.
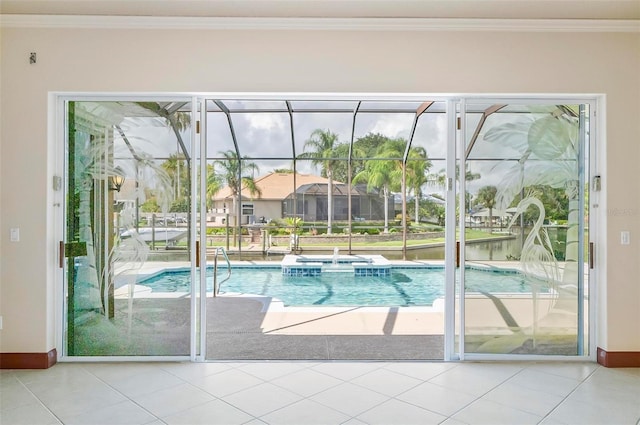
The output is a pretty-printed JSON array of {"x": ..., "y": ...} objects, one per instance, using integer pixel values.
[
  {"x": 384, "y": 173},
  {"x": 214, "y": 184},
  {"x": 237, "y": 174},
  {"x": 417, "y": 167},
  {"x": 321, "y": 149},
  {"x": 179, "y": 174}
]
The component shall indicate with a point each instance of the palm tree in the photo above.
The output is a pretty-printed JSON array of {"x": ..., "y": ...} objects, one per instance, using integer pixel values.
[
  {"x": 237, "y": 174},
  {"x": 417, "y": 167},
  {"x": 214, "y": 184},
  {"x": 363, "y": 148},
  {"x": 487, "y": 198},
  {"x": 385, "y": 173},
  {"x": 320, "y": 148},
  {"x": 179, "y": 174}
]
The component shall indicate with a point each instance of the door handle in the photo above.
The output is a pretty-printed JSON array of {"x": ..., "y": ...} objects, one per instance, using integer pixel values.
[
  {"x": 197, "y": 253},
  {"x": 61, "y": 254}
]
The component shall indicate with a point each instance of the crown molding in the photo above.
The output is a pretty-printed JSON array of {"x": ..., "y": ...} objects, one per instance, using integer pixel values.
[{"x": 318, "y": 24}]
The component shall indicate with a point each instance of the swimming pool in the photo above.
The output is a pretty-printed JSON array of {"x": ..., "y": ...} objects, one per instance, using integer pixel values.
[{"x": 411, "y": 286}]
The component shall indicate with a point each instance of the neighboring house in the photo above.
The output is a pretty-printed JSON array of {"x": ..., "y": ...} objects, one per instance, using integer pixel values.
[
  {"x": 312, "y": 202},
  {"x": 274, "y": 188},
  {"x": 481, "y": 216},
  {"x": 277, "y": 194}
]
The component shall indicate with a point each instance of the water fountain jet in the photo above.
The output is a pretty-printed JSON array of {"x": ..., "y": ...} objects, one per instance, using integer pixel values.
[{"x": 315, "y": 265}]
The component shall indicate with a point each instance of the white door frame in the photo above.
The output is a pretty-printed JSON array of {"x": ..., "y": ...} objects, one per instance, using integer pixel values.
[{"x": 56, "y": 213}]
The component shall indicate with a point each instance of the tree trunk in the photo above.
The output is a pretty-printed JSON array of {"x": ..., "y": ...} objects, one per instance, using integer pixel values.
[
  {"x": 490, "y": 220},
  {"x": 385, "y": 192},
  {"x": 329, "y": 202}
]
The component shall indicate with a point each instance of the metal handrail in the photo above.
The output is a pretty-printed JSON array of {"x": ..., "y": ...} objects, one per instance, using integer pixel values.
[{"x": 216, "y": 285}]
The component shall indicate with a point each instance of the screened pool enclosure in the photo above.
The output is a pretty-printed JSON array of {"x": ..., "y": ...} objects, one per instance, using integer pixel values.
[{"x": 205, "y": 185}]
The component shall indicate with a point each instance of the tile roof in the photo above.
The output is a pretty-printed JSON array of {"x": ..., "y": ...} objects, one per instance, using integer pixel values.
[{"x": 275, "y": 185}]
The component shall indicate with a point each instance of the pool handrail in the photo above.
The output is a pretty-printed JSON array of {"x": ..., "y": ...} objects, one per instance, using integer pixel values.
[{"x": 216, "y": 285}]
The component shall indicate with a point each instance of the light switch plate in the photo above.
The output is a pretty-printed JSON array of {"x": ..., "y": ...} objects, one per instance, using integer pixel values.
[{"x": 625, "y": 238}]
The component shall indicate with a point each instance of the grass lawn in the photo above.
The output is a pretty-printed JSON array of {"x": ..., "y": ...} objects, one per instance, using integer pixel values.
[{"x": 470, "y": 235}]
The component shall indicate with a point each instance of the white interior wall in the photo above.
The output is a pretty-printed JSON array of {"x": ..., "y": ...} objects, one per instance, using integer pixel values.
[{"x": 146, "y": 60}]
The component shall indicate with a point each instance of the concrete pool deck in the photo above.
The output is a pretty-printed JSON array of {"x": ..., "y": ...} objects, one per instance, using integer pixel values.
[{"x": 313, "y": 320}]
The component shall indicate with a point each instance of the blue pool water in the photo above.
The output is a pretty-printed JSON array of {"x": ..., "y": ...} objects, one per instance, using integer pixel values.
[{"x": 404, "y": 287}]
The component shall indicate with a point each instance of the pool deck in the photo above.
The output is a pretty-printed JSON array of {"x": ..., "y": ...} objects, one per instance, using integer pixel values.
[{"x": 279, "y": 319}]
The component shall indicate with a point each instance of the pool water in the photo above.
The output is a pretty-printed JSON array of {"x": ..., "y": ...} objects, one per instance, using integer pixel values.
[{"x": 404, "y": 287}]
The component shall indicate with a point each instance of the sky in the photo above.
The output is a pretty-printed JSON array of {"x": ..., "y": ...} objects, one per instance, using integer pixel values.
[{"x": 267, "y": 137}]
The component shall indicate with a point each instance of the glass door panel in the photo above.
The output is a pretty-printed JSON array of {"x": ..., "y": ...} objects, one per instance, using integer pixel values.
[
  {"x": 128, "y": 221},
  {"x": 524, "y": 228}
]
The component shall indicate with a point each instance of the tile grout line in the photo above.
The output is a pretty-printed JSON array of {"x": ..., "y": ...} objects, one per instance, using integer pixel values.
[
  {"x": 350, "y": 381},
  {"x": 310, "y": 366},
  {"x": 582, "y": 381},
  {"x": 157, "y": 418},
  {"x": 239, "y": 367},
  {"x": 236, "y": 367},
  {"x": 476, "y": 397},
  {"x": 39, "y": 400}
]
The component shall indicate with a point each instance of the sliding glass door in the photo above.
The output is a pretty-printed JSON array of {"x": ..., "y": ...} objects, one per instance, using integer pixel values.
[
  {"x": 523, "y": 222},
  {"x": 127, "y": 220},
  {"x": 346, "y": 227}
]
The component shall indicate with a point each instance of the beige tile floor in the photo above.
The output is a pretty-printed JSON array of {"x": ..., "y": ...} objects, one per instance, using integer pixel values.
[{"x": 299, "y": 393}]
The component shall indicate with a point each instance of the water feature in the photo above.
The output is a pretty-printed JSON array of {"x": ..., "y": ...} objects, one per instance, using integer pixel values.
[
  {"x": 336, "y": 265},
  {"x": 315, "y": 265}
]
